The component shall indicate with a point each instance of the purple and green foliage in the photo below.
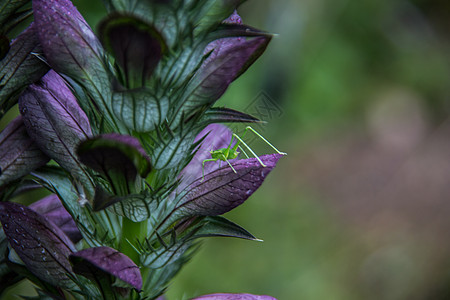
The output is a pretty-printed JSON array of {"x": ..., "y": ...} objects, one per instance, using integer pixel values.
[
  {"x": 98, "y": 263},
  {"x": 41, "y": 245},
  {"x": 233, "y": 297},
  {"x": 120, "y": 129},
  {"x": 223, "y": 189},
  {"x": 52, "y": 209},
  {"x": 20, "y": 67},
  {"x": 18, "y": 153}
]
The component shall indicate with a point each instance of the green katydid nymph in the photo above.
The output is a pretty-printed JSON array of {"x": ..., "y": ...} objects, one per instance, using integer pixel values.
[{"x": 231, "y": 152}]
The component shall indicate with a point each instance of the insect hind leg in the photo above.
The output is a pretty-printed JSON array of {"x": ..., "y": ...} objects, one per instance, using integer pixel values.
[
  {"x": 243, "y": 151},
  {"x": 261, "y": 137},
  {"x": 251, "y": 151}
]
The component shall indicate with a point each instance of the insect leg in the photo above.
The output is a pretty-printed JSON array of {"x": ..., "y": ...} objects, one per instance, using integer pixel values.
[
  {"x": 242, "y": 149},
  {"x": 273, "y": 147},
  {"x": 225, "y": 159},
  {"x": 203, "y": 166},
  {"x": 251, "y": 151}
]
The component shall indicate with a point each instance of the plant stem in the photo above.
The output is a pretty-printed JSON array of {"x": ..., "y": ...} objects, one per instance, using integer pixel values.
[{"x": 131, "y": 232}]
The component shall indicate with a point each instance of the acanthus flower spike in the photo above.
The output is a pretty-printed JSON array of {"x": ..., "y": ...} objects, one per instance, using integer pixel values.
[
  {"x": 234, "y": 297},
  {"x": 134, "y": 180}
]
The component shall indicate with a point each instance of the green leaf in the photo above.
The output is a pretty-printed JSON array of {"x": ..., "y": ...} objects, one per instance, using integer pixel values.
[
  {"x": 8, "y": 279},
  {"x": 139, "y": 109},
  {"x": 4, "y": 46},
  {"x": 118, "y": 5},
  {"x": 41, "y": 296},
  {"x": 225, "y": 115},
  {"x": 97, "y": 228},
  {"x": 51, "y": 291},
  {"x": 135, "y": 207},
  {"x": 219, "y": 226},
  {"x": 15, "y": 19},
  {"x": 19, "y": 68},
  {"x": 172, "y": 153},
  {"x": 18, "y": 153},
  {"x": 214, "y": 12},
  {"x": 177, "y": 69},
  {"x": 7, "y": 276},
  {"x": 172, "y": 247},
  {"x": 8, "y": 8},
  {"x": 228, "y": 30},
  {"x": 112, "y": 5},
  {"x": 57, "y": 181},
  {"x": 163, "y": 256}
]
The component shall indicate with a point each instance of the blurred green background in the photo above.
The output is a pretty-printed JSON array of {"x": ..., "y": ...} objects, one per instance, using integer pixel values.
[{"x": 357, "y": 92}]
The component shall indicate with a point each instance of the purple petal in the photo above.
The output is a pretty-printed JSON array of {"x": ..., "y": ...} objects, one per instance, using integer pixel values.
[
  {"x": 109, "y": 261},
  {"x": 63, "y": 99},
  {"x": 18, "y": 153},
  {"x": 52, "y": 209},
  {"x": 232, "y": 58},
  {"x": 234, "y": 297},
  {"x": 68, "y": 42},
  {"x": 215, "y": 136},
  {"x": 219, "y": 46},
  {"x": 40, "y": 244},
  {"x": 55, "y": 121},
  {"x": 234, "y": 18},
  {"x": 214, "y": 77},
  {"x": 222, "y": 190}
]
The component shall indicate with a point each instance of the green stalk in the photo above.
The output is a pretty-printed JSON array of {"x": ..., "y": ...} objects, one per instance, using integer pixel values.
[{"x": 131, "y": 232}]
